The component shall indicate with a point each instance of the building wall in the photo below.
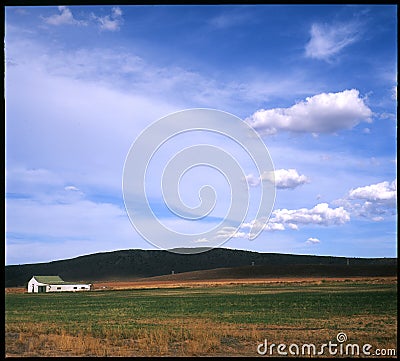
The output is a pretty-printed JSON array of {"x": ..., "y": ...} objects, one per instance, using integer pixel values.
[
  {"x": 30, "y": 286},
  {"x": 71, "y": 288},
  {"x": 33, "y": 287}
]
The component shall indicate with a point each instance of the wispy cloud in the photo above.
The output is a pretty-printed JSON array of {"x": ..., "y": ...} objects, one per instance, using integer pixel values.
[
  {"x": 71, "y": 188},
  {"x": 74, "y": 225},
  {"x": 394, "y": 92},
  {"x": 229, "y": 19},
  {"x": 321, "y": 113},
  {"x": 110, "y": 22},
  {"x": 77, "y": 88},
  {"x": 64, "y": 17},
  {"x": 128, "y": 71},
  {"x": 329, "y": 40}
]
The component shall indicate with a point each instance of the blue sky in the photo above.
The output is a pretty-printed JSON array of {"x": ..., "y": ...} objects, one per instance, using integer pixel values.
[{"x": 318, "y": 83}]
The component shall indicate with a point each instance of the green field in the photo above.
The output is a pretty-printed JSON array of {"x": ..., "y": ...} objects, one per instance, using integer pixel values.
[{"x": 224, "y": 320}]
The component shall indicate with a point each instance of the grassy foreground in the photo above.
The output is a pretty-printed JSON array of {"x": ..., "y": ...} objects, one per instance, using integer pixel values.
[{"x": 225, "y": 320}]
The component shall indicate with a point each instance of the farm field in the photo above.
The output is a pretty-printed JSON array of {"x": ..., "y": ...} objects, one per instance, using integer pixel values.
[
  {"x": 170, "y": 282},
  {"x": 206, "y": 319}
]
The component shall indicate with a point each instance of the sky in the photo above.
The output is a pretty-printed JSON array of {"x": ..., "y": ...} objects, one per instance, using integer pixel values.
[{"x": 317, "y": 83}]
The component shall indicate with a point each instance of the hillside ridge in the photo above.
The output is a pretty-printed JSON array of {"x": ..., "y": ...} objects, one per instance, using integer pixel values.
[{"x": 136, "y": 263}]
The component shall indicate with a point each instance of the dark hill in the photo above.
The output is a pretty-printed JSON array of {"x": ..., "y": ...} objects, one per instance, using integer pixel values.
[
  {"x": 292, "y": 271},
  {"x": 130, "y": 264}
]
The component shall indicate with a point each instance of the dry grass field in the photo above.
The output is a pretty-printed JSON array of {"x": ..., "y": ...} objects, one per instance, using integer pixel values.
[
  {"x": 193, "y": 318},
  {"x": 173, "y": 281}
]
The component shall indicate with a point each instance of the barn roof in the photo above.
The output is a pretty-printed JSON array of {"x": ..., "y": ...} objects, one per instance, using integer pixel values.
[
  {"x": 49, "y": 279},
  {"x": 55, "y": 280}
]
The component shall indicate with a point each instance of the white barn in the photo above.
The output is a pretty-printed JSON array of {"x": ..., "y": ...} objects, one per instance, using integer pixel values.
[{"x": 39, "y": 284}]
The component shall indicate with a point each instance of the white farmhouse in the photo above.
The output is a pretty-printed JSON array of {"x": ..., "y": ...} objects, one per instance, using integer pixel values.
[{"x": 39, "y": 284}]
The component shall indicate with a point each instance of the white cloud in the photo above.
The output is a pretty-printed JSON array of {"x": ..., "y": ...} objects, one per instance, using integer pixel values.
[
  {"x": 65, "y": 17},
  {"x": 230, "y": 232},
  {"x": 394, "y": 92},
  {"x": 321, "y": 214},
  {"x": 321, "y": 113},
  {"x": 272, "y": 226},
  {"x": 201, "y": 240},
  {"x": 69, "y": 100},
  {"x": 110, "y": 22},
  {"x": 328, "y": 40},
  {"x": 282, "y": 219},
  {"x": 374, "y": 201},
  {"x": 116, "y": 12},
  {"x": 71, "y": 189},
  {"x": 384, "y": 192},
  {"x": 283, "y": 178},
  {"x": 252, "y": 180},
  {"x": 287, "y": 178},
  {"x": 312, "y": 240}
]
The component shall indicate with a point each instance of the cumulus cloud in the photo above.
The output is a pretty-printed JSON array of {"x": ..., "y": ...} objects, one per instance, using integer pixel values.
[
  {"x": 381, "y": 192},
  {"x": 293, "y": 226},
  {"x": 283, "y": 178},
  {"x": 64, "y": 17},
  {"x": 283, "y": 219},
  {"x": 321, "y": 214},
  {"x": 287, "y": 178},
  {"x": 110, "y": 22},
  {"x": 321, "y": 113},
  {"x": 313, "y": 240},
  {"x": 272, "y": 226},
  {"x": 252, "y": 180},
  {"x": 328, "y": 40},
  {"x": 373, "y": 201}
]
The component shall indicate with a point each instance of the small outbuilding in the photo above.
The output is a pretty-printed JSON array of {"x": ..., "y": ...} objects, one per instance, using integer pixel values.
[{"x": 39, "y": 284}]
